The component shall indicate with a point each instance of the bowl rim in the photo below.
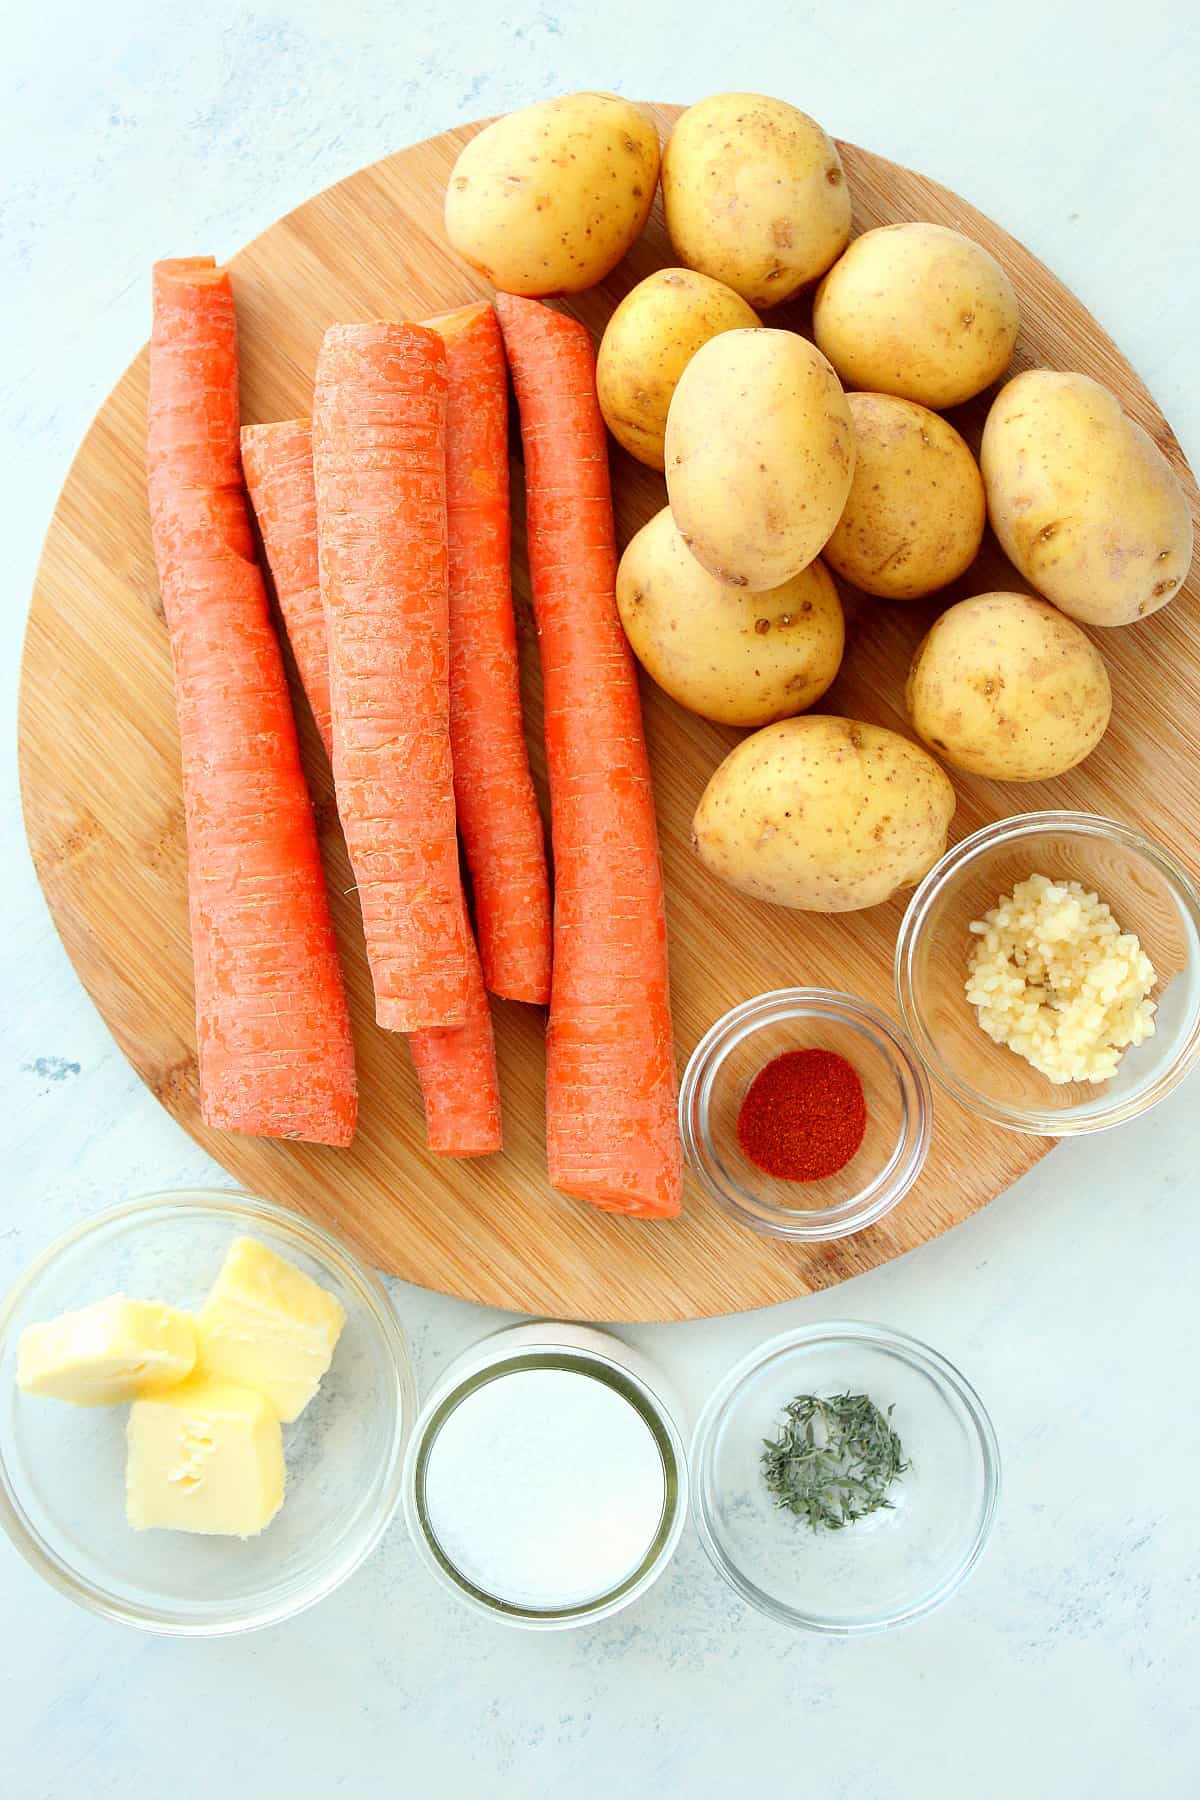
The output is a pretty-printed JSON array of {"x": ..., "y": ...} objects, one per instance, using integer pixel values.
[
  {"x": 1037, "y": 1121},
  {"x": 945, "y": 1376},
  {"x": 592, "y": 1350},
  {"x": 233, "y": 1204},
  {"x": 884, "y": 1191}
]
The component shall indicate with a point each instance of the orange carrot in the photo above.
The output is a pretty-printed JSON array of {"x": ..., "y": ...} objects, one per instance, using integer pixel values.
[
  {"x": 456, "y": 1064},
  {"x": 456, "y": 1067},
  {"x": 493, "y": 789},
  {"x": 611, "y": 1130},
  {"x": 275, "y": 1052},
  {"x": 277, "y": 460},
  {"x": 379, "y": 415},
  {"x": 192, "y": 425}
]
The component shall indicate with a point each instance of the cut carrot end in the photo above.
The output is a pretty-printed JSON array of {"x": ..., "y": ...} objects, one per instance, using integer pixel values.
[
  {"x": 525, "y": 993},
  {"x": 271, "y": 429},
  {"x": 172, "y": 267},
  {"x": 630, "y": 1207},
  {"x": 450, "y": 325}
]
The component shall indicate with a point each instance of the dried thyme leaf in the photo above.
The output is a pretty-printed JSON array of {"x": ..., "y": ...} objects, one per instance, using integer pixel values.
[{"x": 832, "y": 1460}]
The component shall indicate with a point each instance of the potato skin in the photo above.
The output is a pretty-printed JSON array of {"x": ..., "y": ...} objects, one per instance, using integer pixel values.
[
  {"x": 647, "y": 344},
  {"x": 738, "y": 658},
  {"x": 1003, "y": 685},
  {"x": 549, "y": 199},
  {"x": 824, "y": 814},
  {"x": 920, "y": 311},
  {"x": 1083, "y": 501},
  {"x": 760, "y": 453},
  {"x": 754, "y": 194},
  {"x": 915, "y": 516}
]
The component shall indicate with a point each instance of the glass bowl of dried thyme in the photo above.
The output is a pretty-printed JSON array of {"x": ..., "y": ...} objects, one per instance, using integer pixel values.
[{"x": 845, "y": 1478}]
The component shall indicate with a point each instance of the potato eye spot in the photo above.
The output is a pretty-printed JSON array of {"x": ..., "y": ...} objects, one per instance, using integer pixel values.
[
  {"x": 762, "y": 626},
  {"x": 833, "y": 176}
]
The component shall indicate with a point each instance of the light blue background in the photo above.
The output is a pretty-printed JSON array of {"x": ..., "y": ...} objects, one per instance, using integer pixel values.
[{"x": 1069, "y": 1666}]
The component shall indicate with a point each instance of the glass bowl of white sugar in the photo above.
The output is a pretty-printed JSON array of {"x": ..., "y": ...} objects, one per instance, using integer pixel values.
[{"x": 546, "y": 1480}]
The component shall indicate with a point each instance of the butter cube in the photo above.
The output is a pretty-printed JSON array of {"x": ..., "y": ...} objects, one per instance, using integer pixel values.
[
  {"x": 106, "y": 1353},
  {"x": 268, "y": 1324},
  {"x": 206, "y": 1456}
]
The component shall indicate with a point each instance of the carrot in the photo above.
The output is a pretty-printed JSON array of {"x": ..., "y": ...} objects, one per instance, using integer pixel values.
[
  {"x": 456, "y": 1065},
  {"x": 277, "y": 460},
  {"x": 611, "y": 1132},
  {"x": 493, "y": 789},
  {"x": 273, "y": 1031},
  {"x": 379, "y": 412},
  {"x": 192, "y": 422}
]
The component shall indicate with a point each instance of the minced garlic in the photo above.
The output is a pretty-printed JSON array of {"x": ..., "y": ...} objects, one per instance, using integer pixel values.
[{"x": 1055, "y": 978}]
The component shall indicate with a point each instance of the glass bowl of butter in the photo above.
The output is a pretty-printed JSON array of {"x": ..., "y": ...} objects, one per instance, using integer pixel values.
[{"x": 204, "y": 1405}]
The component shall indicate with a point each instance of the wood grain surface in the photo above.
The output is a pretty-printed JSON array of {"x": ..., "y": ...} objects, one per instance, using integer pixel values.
[{"x": 101, "y": 788}]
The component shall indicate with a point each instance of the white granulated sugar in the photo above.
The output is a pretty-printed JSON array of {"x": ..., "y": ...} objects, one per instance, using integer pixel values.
[
  {"x": 1056, "y": 979},
  {"x": 545, "y": 1488}
]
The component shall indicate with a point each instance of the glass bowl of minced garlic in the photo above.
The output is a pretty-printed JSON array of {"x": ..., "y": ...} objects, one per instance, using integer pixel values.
[
  {"x": 204, "y": 1404},
  {"x": 1048, "y": 972}
]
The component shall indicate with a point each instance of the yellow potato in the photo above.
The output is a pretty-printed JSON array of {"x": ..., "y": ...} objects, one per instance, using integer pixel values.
[
  {"x": 917, "y": 310},
  {"x": 916, "y": 512},
  {"x": 1004, "y": 685},
  {"x": 824, "y": 814},
  {"x": 760, "y": 451},
  {"x": 647, "y": 344},
  {"x": 738, "y": 658},
  {"x": 754, "y": 194},
  {"x": 1082, "y": 499},
  {"x": 548, "y": 200}
]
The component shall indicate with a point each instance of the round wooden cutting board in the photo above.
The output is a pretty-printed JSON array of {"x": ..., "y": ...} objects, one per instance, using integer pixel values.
[{"x": 100, "y": 780}]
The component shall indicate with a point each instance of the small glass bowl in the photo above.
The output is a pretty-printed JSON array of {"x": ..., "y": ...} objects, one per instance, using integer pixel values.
[
  {"x": 541, "y": 1346},
  {"x": 1149, "y": 892},
  {"x": 62, "y": 1468},
  {"x": 881, "y": 1571},
  {"x": 899, "y": 1113}
]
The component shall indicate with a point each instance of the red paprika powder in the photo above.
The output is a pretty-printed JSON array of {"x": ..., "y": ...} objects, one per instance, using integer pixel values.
[{"x": 804, "y": 1116}]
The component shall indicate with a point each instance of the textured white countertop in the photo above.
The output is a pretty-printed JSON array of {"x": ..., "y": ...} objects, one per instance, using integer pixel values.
[{"x": 1069, "y": 1666}]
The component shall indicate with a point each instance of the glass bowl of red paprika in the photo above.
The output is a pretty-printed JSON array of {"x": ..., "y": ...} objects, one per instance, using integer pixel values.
[{"x": 805, "y": 1114}]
